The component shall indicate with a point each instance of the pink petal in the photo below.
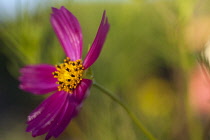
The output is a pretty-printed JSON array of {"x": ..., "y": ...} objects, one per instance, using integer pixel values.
[
  {"x": 44, "y": 116},
  {"x": 68, "y": 31},
  {"x": 38, "y": 79},
  {"x": 41, "y": 108},
  {"x": 54, "y": 114},
  {"x": 63, "y": 120},
  {"x": 83, "y": 90},
  {"x": 98, "y": 42},
  {"x": 71, "y": 108}
]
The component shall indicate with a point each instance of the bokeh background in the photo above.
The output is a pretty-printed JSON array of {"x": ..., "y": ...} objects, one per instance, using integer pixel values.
[{"x": 149, "y": 61}]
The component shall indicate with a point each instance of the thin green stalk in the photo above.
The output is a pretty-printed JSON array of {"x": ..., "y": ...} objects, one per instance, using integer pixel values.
[{"x": 130, "y": 114}]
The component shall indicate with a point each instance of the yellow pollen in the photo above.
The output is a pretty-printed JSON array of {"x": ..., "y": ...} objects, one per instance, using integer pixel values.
[{"x": 69, "y": 74}]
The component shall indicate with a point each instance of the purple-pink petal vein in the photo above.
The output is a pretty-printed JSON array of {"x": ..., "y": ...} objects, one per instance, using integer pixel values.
[
  {"x": 38, "y": 79},
  {"x": 68, "y": 31},
  {"x": 98, "y": 42},
  {"x": 54, "y": 114}
]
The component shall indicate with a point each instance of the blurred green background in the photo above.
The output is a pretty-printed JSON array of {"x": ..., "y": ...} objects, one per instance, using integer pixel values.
[{"x": 146, "y": 61}]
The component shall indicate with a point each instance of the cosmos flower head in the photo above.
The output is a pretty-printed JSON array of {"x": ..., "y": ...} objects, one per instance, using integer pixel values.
[{"x": 67, "y": 81}]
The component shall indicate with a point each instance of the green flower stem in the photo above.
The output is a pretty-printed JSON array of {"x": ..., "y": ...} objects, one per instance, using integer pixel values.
[{"x": 130, "y": 114}]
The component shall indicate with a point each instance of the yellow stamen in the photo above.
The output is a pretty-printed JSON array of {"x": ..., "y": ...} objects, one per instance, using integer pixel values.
[{"x": 69, "y": 74}]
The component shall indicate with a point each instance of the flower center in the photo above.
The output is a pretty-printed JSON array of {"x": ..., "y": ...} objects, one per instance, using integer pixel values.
[{"x": 69, "y": 74}]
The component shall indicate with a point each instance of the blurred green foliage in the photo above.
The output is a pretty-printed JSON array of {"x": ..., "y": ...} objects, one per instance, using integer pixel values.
[{"x": 144, "y": 61}]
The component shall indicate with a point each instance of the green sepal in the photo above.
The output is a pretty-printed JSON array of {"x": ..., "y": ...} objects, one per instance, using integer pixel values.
[{"x": 88, "y": 74}]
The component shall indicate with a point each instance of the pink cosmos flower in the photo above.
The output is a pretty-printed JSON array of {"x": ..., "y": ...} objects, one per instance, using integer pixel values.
[{"x": 67, "y": 80}]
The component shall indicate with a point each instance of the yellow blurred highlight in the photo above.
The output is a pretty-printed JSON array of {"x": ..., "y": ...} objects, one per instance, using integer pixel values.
[{"x": 156, "y": 98}]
